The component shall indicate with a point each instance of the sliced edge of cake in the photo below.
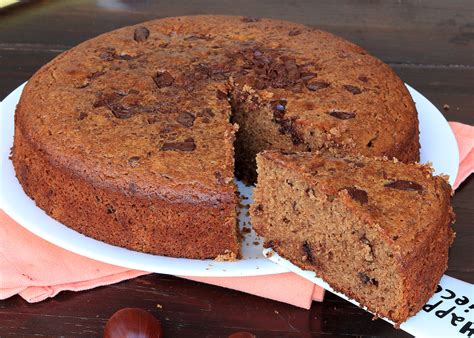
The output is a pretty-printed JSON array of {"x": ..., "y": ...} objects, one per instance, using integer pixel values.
[{"x": 376, "y": 230}]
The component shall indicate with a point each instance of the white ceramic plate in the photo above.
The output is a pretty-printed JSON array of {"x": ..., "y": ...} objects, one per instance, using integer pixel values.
[{"x": 438, "y": 146}]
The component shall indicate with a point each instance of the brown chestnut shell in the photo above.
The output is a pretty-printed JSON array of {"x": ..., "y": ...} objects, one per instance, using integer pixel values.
[{"x": 133, "y": 322}]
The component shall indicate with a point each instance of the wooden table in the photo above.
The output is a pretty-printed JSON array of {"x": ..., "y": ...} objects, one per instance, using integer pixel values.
[{"x": 429, "y": 44}]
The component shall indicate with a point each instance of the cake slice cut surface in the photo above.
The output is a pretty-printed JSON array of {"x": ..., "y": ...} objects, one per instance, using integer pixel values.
[{"x": 376, "y": 230}]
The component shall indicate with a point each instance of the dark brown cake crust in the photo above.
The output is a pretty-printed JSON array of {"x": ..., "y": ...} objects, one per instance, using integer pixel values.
[
  {"x": 127, "y": 137},
  {"x": 376, "y": 230}
]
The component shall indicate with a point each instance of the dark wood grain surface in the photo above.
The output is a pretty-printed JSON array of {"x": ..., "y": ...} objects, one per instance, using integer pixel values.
[{"x": 430, "y": 44}]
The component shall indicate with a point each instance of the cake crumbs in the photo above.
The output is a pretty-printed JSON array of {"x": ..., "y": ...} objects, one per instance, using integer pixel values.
[
  {"x": 446, "y": 107},
  {"x": 276, "y": 312},
  {"x": 227, "y": 256},
  {"x": 256, "y": 243},
  {"x": 159, "y": 306},
  {"x": 245, "y": 229}
]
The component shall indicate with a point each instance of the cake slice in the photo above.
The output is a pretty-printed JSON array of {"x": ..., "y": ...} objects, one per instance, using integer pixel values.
[{"x": 376, "y": 230}]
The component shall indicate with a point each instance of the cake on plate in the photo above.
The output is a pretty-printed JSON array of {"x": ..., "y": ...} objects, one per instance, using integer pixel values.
[{"x": 131, "y": 137}]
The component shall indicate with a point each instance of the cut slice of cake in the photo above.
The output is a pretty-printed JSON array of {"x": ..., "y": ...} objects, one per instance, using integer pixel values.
[{"x": 376, "y": 230}]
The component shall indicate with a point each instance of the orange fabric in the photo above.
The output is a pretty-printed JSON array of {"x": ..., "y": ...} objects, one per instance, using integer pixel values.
[
  {"x": 36, "y": 269},
  {"x": 465, "y": 138}
]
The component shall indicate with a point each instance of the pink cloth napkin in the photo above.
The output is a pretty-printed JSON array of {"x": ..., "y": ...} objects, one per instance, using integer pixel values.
[
  {"x": 465, "y": 138},
  {"x": 36, "y": 269}
]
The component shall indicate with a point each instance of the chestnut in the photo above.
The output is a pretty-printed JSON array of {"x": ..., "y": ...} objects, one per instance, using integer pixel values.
[
  {"x": 132, "y": 323},
  {"x": 242, "y": 334}
]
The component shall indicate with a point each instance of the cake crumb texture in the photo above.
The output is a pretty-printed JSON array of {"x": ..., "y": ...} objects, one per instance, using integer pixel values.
[{"x": 376, "y": 230}]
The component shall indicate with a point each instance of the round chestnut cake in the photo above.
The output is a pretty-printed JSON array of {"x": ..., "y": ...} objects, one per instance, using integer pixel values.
[{"x": 131, "y": 137}]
